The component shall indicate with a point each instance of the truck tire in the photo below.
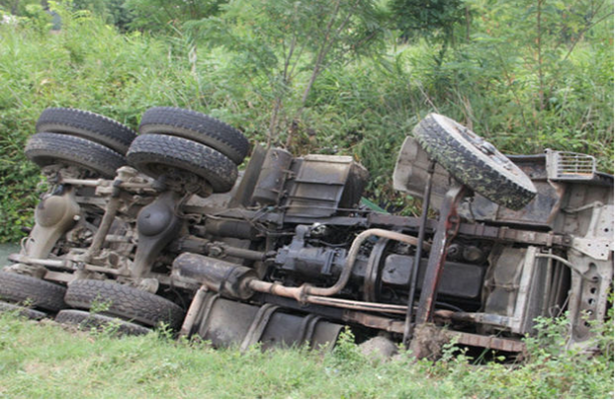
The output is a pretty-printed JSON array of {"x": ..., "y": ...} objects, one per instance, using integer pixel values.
[
  {"x": 54, "y": 148},
  {"x": 22, "y": 311},
  {"x": 124, "y": 302},
  {"x": 198, "y": 127},
  {"x": 154, "y": 154},
  {"x": 474, "y": 162},
  {"x": 87, "y": 125},
  {"x": 35, "y": 292},
  {"x": 87, "y": 320}
]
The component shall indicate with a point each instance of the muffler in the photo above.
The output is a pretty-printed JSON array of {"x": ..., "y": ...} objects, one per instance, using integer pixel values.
[{"x": 228, "y": 279}]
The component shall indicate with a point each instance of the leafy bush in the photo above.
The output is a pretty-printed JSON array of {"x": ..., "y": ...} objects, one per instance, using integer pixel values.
[{"x": 361, "y": 107}]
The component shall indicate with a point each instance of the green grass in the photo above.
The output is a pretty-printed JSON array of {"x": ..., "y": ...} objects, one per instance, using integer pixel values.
[{"x": 43, "y": 360}]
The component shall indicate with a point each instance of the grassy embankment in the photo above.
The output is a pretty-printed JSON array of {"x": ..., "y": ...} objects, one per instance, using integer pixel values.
[{"x": 43, "y": 361}]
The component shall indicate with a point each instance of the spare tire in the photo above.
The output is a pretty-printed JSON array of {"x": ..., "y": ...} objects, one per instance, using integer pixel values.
[
  {"x": 474, "y": 161},
  {"x": 124, "y": 302},
  {"x": 198, "y": 127},
  {"x": 54, "y": 148},
  {"x": 155, "y": 154},
  {"x": 88, "y": 125}
]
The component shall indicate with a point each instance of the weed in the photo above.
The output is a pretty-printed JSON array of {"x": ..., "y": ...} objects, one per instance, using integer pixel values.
[
  {"x": 346, "y": 355},
  {"x": 100, "y": 305}
]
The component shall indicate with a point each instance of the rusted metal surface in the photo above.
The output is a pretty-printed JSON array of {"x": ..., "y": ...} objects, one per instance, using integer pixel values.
[
  {"x": 220, "y": 276},
  {"x": 446, "y": 230},
  {"x": 478, "y": 230},
  {"x": 372, "y": 321},
  {"x": 193, "y": 311},
  {"x": 418, "y": 254},
  {"x": 488, "y": 342}
]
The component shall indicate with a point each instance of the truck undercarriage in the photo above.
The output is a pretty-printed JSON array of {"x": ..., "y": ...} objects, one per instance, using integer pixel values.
[{"x": 161, "y": 228}]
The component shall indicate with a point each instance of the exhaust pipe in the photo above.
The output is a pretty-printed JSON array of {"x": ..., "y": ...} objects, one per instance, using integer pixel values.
[{"x": 228, "y": 279}]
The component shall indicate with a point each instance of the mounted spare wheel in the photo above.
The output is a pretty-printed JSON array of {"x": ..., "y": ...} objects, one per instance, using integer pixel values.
[
  {"x": 474, "y": 161},
  {"x": 31, "y": 291},
  {"x": 87, "y": 125},
  {"x": 87, "y": 320},
  {"x": 124, "y": 301},
  {"x": 195, "y": 126},
  {"x": 46, "y": 149},
  {"x": 159, "y": 155}
]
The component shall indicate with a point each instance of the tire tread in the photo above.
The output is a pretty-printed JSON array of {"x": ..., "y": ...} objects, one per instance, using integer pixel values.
[
  {"x": 196, "y": 126},
  {"x": 85, "y": 319},
  {"x": 19, "y": 288},
  {"x": 124, "y": 302},
  {"x": 47, "y": 148},
  {"x": 88, "y": 125},
  {"x": 184, "y": 154},
  {"x": 466, "y": 167}
]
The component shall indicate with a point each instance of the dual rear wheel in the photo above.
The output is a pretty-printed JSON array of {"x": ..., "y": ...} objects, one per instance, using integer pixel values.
[
  {"x": 172, "y": 143},
  {"x": 93, "y": 143},
  {"x": 182, "y": 143}
]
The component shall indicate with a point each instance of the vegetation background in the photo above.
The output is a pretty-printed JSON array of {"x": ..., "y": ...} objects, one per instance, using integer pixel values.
[{"x": 321, "y": 76}]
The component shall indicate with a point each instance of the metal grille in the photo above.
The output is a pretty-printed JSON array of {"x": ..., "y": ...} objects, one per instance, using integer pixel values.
[{"x": 564, "y": 165}]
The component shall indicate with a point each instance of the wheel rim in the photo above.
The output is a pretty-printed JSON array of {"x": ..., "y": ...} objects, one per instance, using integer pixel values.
[{"x": 482, "y": 145}]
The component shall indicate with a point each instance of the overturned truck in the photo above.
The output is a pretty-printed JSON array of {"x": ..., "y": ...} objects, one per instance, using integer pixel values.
[{"x": 160, "y": 227}]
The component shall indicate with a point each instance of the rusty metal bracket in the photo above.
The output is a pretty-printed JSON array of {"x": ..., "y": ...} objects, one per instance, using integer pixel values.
[
  {"x": 193, "y": 312},
  {"x": 489, "y": 342},
  {"x": 447, "y": 228},
  {"x": 479, "y": 230},
  {"x": 408, "y": 327}
]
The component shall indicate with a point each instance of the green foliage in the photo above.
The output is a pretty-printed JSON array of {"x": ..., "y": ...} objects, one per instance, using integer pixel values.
[
  {"x": 112, "y": 11},
  {"x": 534, "y": 75},
  {"x": 168, "y": 15},
  {"x": 17, "y": 7},
  {"x": 280, "y": 48},
  {"x": 346, "y": 355},
  {"x": 100, "y": 306},
  {"x": 88, "y": 65},
  {"x": 432, "y": 19},
  {"x": 238, "y": 66}
]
